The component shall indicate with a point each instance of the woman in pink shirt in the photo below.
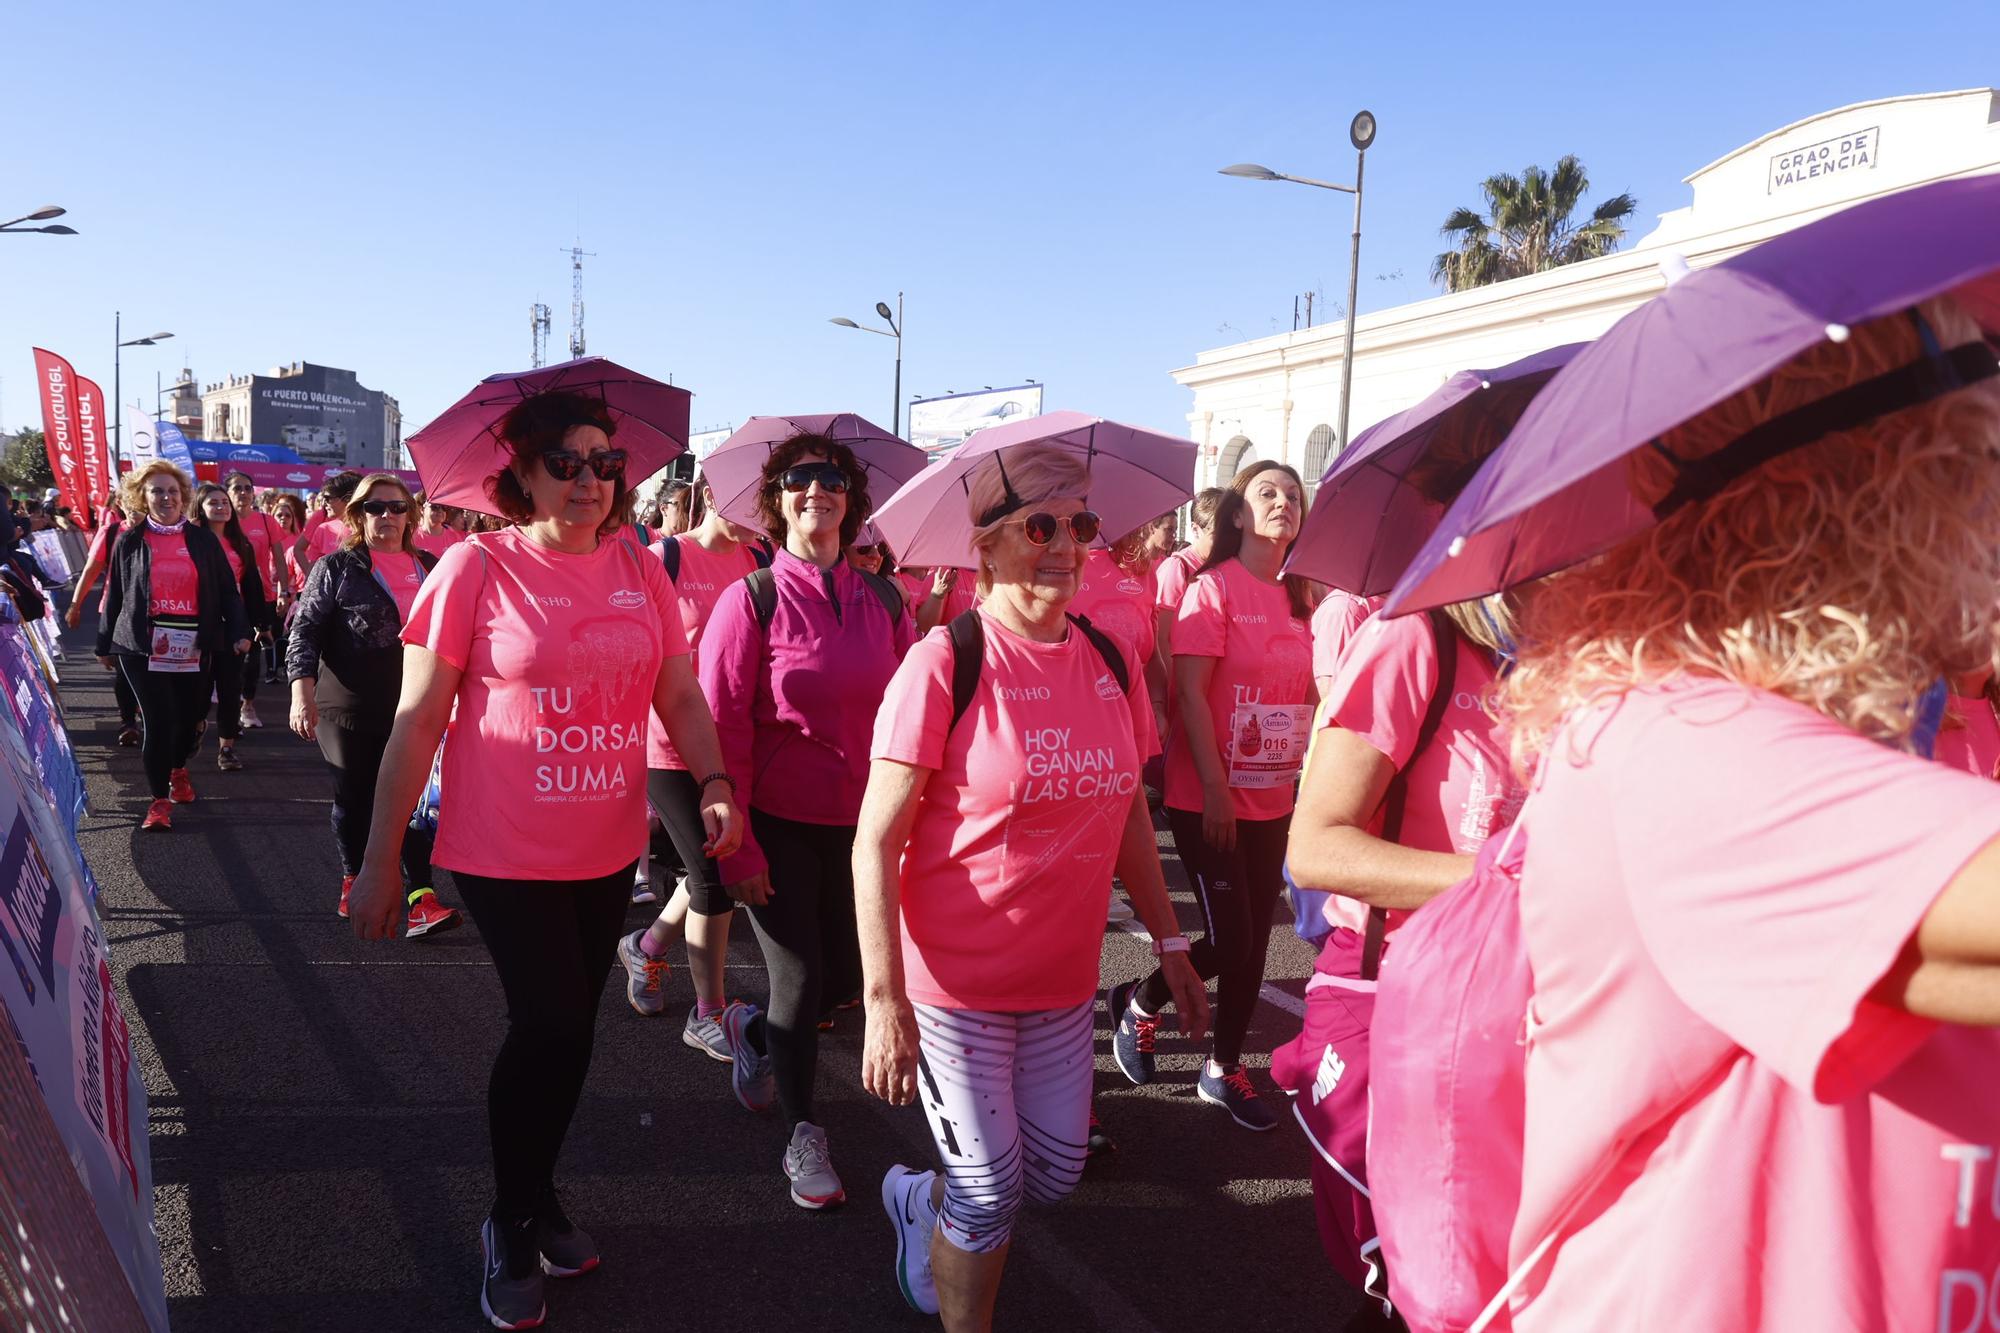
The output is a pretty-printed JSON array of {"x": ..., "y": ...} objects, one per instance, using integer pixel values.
[
  {"x": 1760, "y": 1054},
  {"x": 982, "y": 868},
  {"x": 1244, "y": 695},
  {"x": 543, "y": 646},
  {"x": 436, "y": 530},
  {"x": 217, "y": 512},
  {"x": 267, "y": 538},
  {"x": 1177, "y": 570},
  {"x": 794, "y": 685}
]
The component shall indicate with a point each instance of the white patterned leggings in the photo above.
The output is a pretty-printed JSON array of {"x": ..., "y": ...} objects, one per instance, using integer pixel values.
[{"x": 1008, "y": 1096}]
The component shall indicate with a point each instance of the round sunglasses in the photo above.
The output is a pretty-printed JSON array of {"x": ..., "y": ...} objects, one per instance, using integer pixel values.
[
  {"x": 801, "y": 477},
  {"x": 564, "y": 464},
  {"x": 1040, "y": 527}
]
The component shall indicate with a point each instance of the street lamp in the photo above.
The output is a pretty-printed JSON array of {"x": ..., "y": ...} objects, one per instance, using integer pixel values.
[
  {"x": 119, "y": 344},
  {"x": 39, "y": 215},
  {"x": 1360, "y": 133},
  {"x": 895, "y": 330}
]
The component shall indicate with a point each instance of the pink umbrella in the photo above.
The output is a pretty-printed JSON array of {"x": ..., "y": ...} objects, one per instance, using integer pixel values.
[
  {"x": 1135, "y": 476},
  {"x": 458, "y": 451},
  {"x": 735, "y": 471}
]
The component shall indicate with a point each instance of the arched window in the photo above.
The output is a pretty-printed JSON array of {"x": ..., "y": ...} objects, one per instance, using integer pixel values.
[
  {"x": 1234, "y": 455},
  {"x": 1319, "y": 452}
]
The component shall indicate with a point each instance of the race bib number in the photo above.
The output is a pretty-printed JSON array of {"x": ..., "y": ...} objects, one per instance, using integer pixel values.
[
  {"x": 1267, "y": 744},
  {"x": 174, "y": 650}
]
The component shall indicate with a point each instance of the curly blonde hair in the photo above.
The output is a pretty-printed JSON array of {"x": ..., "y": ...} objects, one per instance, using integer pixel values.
[
  {"x": 132, "y": 490},
  {"x": 1847, "y": 575}
]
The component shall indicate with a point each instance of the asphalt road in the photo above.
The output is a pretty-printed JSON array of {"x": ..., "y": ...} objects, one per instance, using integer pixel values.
[{"x": 317, "y": 1116}]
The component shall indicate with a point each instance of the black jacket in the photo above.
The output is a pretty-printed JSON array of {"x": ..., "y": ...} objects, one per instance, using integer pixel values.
[
  {"x": 126, "y": 627},
  {"x": 347, "y": 635}
]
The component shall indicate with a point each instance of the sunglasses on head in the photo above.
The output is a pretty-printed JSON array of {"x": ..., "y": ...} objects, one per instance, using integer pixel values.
[
  {"x": 801, "y": 477},
  {"x": 377, "y": 508},
  {"x": 1040, "y": 527},
  {"x": 564, "y": 464}
]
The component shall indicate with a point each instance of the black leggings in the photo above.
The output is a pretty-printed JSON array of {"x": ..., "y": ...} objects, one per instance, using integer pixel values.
[
  {"x": 128, "y": 702},
  {"x": 811, "y": 948},
  {"x": 553, "y": 943},
  {"x": 171, "y": 707},
  {"x": 253, "y": 671},
  {"x": 227, "y": 682},
  {"x": 355, "y": 756},
  {"x": 677, "y": 801},
  {"x": 1237, "y": 891}
]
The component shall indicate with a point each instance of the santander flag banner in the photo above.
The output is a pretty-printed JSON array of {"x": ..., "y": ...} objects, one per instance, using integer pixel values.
[
  {"x": 90, "y": 401},
  {"x": 57, "y": 380}
]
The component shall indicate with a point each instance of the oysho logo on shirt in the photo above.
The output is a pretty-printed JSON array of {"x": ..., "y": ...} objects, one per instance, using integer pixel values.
[
  {"x": 550, "y": 601},
  {"x": 1249, "y": 620},
  {"x": 1024, "y": 694},
  {"x": 625, "y": 599}
]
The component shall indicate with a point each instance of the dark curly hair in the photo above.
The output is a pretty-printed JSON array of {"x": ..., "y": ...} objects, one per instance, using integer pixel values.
[
  {"x": 783, "y": 456},
  {"x": 539, "y": 425}
]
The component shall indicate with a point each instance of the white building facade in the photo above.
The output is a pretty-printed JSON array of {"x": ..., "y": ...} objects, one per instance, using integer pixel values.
[{"x": 1279, "y": 397}]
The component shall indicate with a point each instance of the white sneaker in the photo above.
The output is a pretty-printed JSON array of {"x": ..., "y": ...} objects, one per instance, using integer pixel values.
[
  {"x": 247, "y": 716},
  {"x": 809, "y": 1166},
  {"x": 1120, "y": 911},
  {"x": 642, "y": 882},
  {"x": 644, "y": 976},
  {"x": 906, "y": 1197}
]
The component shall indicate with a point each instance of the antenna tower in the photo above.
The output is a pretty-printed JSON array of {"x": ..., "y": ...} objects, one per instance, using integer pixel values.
[
  {"x": 576, "y": 255},
  {"x": 538, "y": 325}
]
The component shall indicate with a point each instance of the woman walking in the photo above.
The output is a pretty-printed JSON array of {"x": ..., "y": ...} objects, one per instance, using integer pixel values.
[
  {"x": 794, "y": 670},
  {"x": 542, "y": 646},
  {"x": 267, "y": 539},
  {"x": 345, "y": 660},
  {"x": 215, "y": 511},
  {"x": 1244, "y": 694},
  {"x": 982, "y": 877},
  {"x": 173, "y": 615}
]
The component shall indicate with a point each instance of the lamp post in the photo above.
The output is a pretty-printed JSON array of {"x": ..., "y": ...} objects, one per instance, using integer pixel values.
[
  {"x": 1360, "y": 133},
  {"x": 895, "y": 330},
  {"x": 119, "y": 344},
  {"x": 14, "y": 228}
]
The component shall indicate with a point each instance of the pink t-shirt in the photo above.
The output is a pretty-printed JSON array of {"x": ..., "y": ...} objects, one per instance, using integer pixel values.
[
  {"x": 1116, "y": 601},
  {"x": 1334, "y": 623},
  {"x": 1007, "y": 872},
  {"x": 1171, "y": 579},
  {"x": 916, "y": 587},
  {"x": 235, "y": 560},
  {"x": 100, "y": 549},
  {"x": 176, "y": 586},
  {"x": 704, "y": 574},
  {"x": 1460, "y": 790},
  {"x": 437, "y": 543},
  {"x": 1970, "y": 739},
  {"x": 1263, "y": 670},
  {"x": 1715, "y": 880},
  {"x": 265, "y": 537},
  {"x": 401, "y": 575},
  {"x": 545, "y": 761},
  {"x": 326, "y": 539}
]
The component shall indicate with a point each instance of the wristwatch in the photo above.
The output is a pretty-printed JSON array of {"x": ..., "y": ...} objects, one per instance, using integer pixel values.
[{"x": 1170, "y": 944}]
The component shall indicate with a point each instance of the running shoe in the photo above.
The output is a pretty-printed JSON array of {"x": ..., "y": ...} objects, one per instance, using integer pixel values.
[
  {"x": 1132, "y": 1035},
  {"x": 1231, "y": 1091},
  {"x": 809, "y": 1167},
  {"x": 705, "y": 1035},
  {"x": 567, "y": 1249},
  {"x": 1119, "y": 912},
  {"x": 1099, "y": 1143},
  {"x": 226, "y": 760},
  {"x": 643, "y": 892},
  {"x": 645, "y": 976},
  {"x": 428, "y": 916},
  {"x": 906, "y": 1197},
  {"x": 128, "y": 736},
  {"x": 756, "y": 1087},
  {"x": 247, "y": 715},
  {"x": 507, "y": 1300},
  {"x": 159, "y": 815},
  {"x": 346, "y": 887},
  {"x": 180, "y": 787}
]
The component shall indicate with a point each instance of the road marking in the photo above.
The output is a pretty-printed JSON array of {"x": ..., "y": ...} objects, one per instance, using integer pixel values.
[{"x": 1291, "y": 1004}]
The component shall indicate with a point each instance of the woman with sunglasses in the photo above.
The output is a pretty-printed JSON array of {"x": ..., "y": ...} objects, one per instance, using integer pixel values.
[
  {"x": 435, "y": 529},
  {"x": 870, "y": 554},
  {"x": 216, "y": 512},
  {"x": 543, "y": 646},
  {"x": 982, "y": 869},
  {"x": 702, "y": 563},
  {"x": 345, "y": 659},
  {"x": 794, "y": 692},
  {"x": 267, "y": 539},
  {"x": 173, "y": 611},
  {"x": 1244, "y": 694}
]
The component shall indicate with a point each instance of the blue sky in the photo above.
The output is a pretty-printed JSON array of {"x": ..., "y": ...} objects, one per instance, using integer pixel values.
[{"x": 387, "y": 188}]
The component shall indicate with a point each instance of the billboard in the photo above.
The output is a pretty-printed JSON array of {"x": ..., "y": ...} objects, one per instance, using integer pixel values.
[
  {"x": 939, "y": 425},
  {"x": 702, "y": 443},
  {"x": 321, "y": 414}
]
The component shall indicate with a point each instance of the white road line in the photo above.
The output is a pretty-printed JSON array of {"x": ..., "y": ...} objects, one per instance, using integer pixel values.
[{"x": 1291, "y": 1004}]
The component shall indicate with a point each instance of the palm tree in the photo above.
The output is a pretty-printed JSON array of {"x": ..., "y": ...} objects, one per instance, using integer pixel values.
[{"x": 1529, "y": 227}]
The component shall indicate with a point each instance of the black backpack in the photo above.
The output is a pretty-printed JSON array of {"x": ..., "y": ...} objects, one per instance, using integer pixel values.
[
  {"x": 764, "y": 593},
  {"x": 670, "y": 556},
  {"x": 968, "y": 656}
]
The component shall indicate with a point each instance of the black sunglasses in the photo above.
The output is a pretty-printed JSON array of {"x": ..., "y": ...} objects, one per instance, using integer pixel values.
[
  {"x": 377, "y": 508},
  {"x": 1040, "y": 527},
  {"x": 564, "y": 464},
  {"x": 870, "y": 549},
  {"x": 829, "y": 476}
]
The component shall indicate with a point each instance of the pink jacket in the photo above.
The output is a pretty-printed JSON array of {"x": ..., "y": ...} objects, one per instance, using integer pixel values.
[{"x": 795, "y": 709}]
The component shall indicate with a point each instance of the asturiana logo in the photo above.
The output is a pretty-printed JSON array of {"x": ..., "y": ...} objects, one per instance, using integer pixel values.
[
  {"x": 626, "y": 599},
  {"x": 1107, "y": 688},
  {"x": 1278, "y": 722}
]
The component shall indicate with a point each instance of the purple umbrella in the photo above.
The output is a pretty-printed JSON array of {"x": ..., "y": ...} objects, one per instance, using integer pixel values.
[
  {"x": 1383, "y": 496},
  {"x": 1135, "y": 476},
  {"x": 458, "y": 451},
  {"x": 735, "y": 471},
  {"x": 1556, "y": 491}
]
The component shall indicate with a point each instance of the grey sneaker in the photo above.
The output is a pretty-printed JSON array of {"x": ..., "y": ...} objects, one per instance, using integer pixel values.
[
  {"x": 566, "y": 1249},
  {"x": 756, "y": 1087},
  {"x": 705, "y": 1035},
  {"x": 645, "y": 977},
  {"x": 810, "y": 1169},
  {"x": 508, "y": 1301},
  {"x": 906, "y": 1197}
]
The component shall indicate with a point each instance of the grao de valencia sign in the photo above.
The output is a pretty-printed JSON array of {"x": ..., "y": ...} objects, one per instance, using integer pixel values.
[{"x": 1855, "y": 151}]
